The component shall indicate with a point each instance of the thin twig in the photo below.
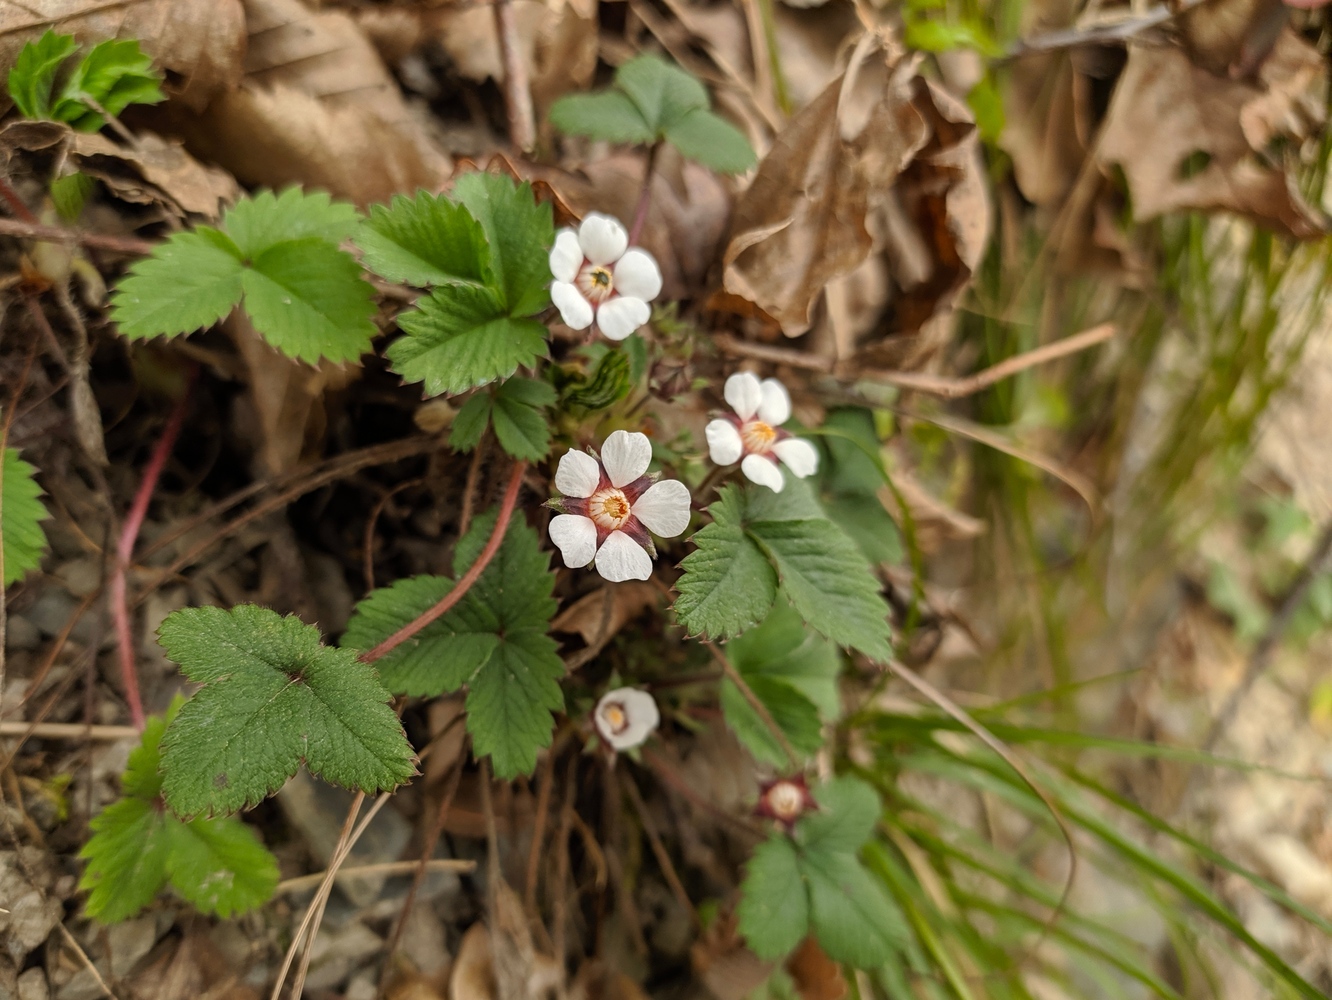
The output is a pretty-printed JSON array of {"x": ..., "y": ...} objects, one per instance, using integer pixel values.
[
  {"x": 129, "y": 533},
  {"x": 383, "y": 868},
  {"x": 15, "y": 203},
  {"x": 68, "y": 731},
  {"x": 470, "y": 483},
  {"x": 665, "y": 773},
  {"x": 558, "y": 901},
  {"x": 470, "y": 577},
  {"x": 57, "y": 647},
  {"x": 645, "y": 195},
  {"x": 544, "y": 788},
  {"x": 368, "y": 560},
  {"x": 756, "y": 703},
  {"x": 517, "y": 89},
  {"x": 1100, "y": 34},
  {"x": 30, "y": 228},
  {"x": 658, "y": 848},
  {"x": 88, "y": 962},
  {"x": 775, "y": 355}
]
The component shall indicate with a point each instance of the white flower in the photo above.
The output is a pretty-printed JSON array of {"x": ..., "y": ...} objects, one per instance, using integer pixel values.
[
  {"x": 626, "y": 717},
  {"x": 754, "y": 438},
  {"x": 609, "y": 506},
  {"x": 597, "y": 278}
]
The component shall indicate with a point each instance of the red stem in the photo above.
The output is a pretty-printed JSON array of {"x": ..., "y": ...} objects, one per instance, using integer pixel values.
[
  {"x": 644, "y": 197},
  {"x": 470, "y": 577},
  {"x": 15, "y": 203},
  {"x": 129, "y": 534}
]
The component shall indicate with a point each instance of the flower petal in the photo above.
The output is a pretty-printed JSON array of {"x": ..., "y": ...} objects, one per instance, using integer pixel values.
[
  {"x": 625, "y": 455},
  {"x": 744, "y": 393},
  {"x": 621, "y": 558},
  {"x": 578, "y": 474},
  {"x": 775, "y": 409},
  {"x": 664, "y": 508},
  {"x": 575, "y": 310},
  {"x": 566, "y": 257},
  {"x": 637, "y": 275},
  {"x": 764, "y": 471},
  {"x": 622, "y": 315},
  {"x": 800, "y": 456},
  {"x": 576, "y": 538},
  {"x": 640, "y": 713},
  {"x": 602, "y": 238},
  {"x": 724, "y": 443}
]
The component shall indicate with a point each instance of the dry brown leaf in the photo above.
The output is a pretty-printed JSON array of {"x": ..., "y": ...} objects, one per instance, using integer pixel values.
[
  {"x": 317, "y": 107},
  {"x": 597, "y": 980},
  {"x": 1040, "y": 127},
  {"x": 727, "y": 968},
  {"x": 201, "y": 45},
  {"x": 473, "y": 975},
  {"x": 156, "y": 171},
  {"x": 602, "y": 613},
  {"x": 1231, "y": 37},
  {"x": 817, "y": 977},
  {"x": 1168, "y": 113}
]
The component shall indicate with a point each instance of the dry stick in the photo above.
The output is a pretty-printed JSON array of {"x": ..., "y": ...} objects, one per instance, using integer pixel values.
[
  {"x": 760, "y": 709},
  {"x": 88, "y": 962},
  {"x": 30, "y": 228},
  {"x": 1101, "y": 34},
  {"x": 368, "y": 562},
  {"x": 129, "y": 532},
  {"x": 68, "y": 731},
  {"x": 470, "y": 577},
  {"x": 539, "y": 834},
  {"x": 301, "y": 882},
  {"x": 658, "y": 848},
  {"x": 517, "y": 89}
]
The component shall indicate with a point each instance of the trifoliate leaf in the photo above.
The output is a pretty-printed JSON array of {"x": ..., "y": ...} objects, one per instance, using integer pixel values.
[
  {"x": 609, "y": 115},
  {"x": 187, "y": 283},
  {"x": 728, "y": 585},
  {"x": 21, "y": 517},
  {"x": 662, "y": 91},
  {"x": 33, "y": 76},
  {"x": 273, "y": 697},
  {"x": 520, "y": 232},
  {"x": 493, "y": 641},
  {"x": 794, "y": 714},
  {"x": 261, "y": 222},
  {"x": 848, "y": 810},
  {"x": 774, "y": 904},
  {"x": 218, "y": 865},
  {"x": 307, "y": 298},
  {"x": 520, "y": 423},
  {"x": 854, "y": 918},
  {"x": 459, "y": 337},
  {"x": 712, "y": 141},
  {"x": 470, "y": 423},
  {"x": 425, "y": 240},
  {"x": 114, "y": 74}
]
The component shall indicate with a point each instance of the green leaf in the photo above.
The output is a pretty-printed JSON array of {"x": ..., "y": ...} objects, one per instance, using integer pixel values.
[
  {"x": 869, "y": 525},
  {"x": 520, "y": 424},
  {"x": 849, "y": 468},
  {"x": 774, "y": 904},
  {"x": 783, "y": 649},
  {"x": 459, "y": 337},
  {"x": 662, "y": 91},
  {"x": 493, "y": 641},
  {"x": 69, "y": 193},
  {"x": 608, "y": 383},
  {"x": 854, "y": 918},
  {"x": 34, "y": 73},
  {"x": 218, "y": 865},
  {"x": 794, "y": 714},
  {"x": 945, "y": 36},
  {"x": 520, "y": 232},
  {"x": 712, "y": 141},
  {"x": 470, "y": 423},
  {"x": 114, "y": 74},
  {"x": 309, "y": 301},
  {"x": 728, "y": 584},
  {"x": 609, "y": 115},
  {"x": 848, "y": 810},
  {"x": 21, "y": 517},
  {"x": 187, "y": 283},
  {"x": 263, "y": 221},
  {"x": 273, "y": 697},
  {"x": 425, "y": 240}
]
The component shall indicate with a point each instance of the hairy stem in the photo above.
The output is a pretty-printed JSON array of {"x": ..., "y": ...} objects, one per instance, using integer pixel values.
[
  {"x": 129, "y": 533},
  {"x": 29, "y": 228},
  {"x": 644, "y": 196},
  {"x": 15, "y": 203},
  {"x": 733, "y": 675},
  {"x": 470, "y": 577}
]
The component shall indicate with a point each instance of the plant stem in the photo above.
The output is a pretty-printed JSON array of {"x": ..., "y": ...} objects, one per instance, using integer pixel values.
[
  {"x": 15, "y": 203},
  {"x": 129, "y": 533},
  {"x": 733, "y": 675},
  {"x": 517, "y": 89},
  {"x": 470, "y": 577},
  {"x": 29, "y": 228},
  {"x": 644, "y": 196}
]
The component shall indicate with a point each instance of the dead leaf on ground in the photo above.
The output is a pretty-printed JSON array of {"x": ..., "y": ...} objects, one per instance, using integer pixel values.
[
  {"x": 155, "y": 171},
  {"x": 200, "y": 45},
  {"x": 601, "y": 614},
  {"x": 1180, "y": 135},
  {"x": 1041, "y": 119},
  {"x": 727, "y": 968},
  {"x": 817, "y": 977},
  {"x": 317, "y": 107}
]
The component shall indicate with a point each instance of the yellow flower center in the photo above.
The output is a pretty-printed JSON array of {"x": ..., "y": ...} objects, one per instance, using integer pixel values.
[
  {"x": 757, "y": 437},
  {"x": 616, "y": 717},
  {"x": 609, "y": 509},
  {"x": 785, "y": 800},
  {"x": 595, "y": 282}
]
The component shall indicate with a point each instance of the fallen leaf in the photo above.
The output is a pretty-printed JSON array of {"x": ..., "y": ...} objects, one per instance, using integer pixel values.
[
  {"x": 817, "y": 977},
  {"x": 1041, "y": 131},
  {"x": 200, "y": 45},
  {"x": 601, "y": 614},
  {"x": 1232, "y": 37},
  {"x": 155, "y": 171},
  {"x": 727, "y": 968},
  {"x": 473, "y": 975},
  {"x": 1179, "y": 133}
]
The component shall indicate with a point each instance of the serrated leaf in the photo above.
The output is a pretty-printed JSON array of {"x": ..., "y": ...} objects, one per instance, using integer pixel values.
[
  {"x": 425, "y": 240},
  {"x": 459, "y": 337},
  {"x": 774, "y": 904},
  {"x": 782, "y": 648},
  {"x": 520, "y": 232},
  {"x": 33, "y": 76},
  {"x": 854, "y": 918},
  {"x": 520, "y": 424},
  {"x": 273, "y": 697},
  {"x": 218, "y": 865},
  {"x": 261, "y": 222},
  {"x": 187, "y": 283},
  {"x": 21, "y": 517},
  {"x": 470, "y": 423},
  {"x": 493, "y": 642},
  {"x": 728, "y": 584},
  {"x": 609, "y": 115},
  {"x": 714, "y": 142},
  {"x": 869, "y": 525},
  {"x": 848, "y": 810},
  {"x": 662, "y": 91},
  {"x": 307, "y": 298},
  {"x": 795, "y": 715},
  {"x": 115, "y": 74}
]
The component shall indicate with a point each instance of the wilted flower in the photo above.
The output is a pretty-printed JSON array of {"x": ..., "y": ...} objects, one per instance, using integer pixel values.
[
  {"x": 609, "y": 506},
  {"x": 626, "y": 717},
  {"x": 785, "y": 800},
  {"x": 754, "y": 438},
  {"x": 597, "y": 278}
]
